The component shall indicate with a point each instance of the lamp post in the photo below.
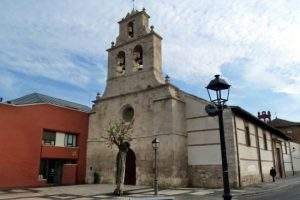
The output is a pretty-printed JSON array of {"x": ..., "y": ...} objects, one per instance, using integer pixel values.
[
  {"x": 155, "y": 145},
  {"x": 220, "y": 88}
]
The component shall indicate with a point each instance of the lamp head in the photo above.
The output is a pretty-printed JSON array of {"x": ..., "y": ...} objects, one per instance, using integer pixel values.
[
  {"x": 218, "y": 88},
  {"x": 155, "y": 143}
]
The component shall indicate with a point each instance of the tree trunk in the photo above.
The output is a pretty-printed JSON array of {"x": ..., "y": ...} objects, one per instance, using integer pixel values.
[{"x": 120, "y": 173}]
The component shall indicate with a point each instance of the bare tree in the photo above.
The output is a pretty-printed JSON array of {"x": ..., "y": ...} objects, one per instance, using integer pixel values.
[{"x": 119, "y": 134}]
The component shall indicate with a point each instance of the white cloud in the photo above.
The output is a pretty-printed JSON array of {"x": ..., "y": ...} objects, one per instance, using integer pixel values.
[
  {"x": 7, "y": 82},
  {"x": 38, "y": 37}
]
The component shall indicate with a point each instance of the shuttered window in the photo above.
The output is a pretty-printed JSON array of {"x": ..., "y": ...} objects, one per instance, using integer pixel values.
[{"x": 49, "y": 138}]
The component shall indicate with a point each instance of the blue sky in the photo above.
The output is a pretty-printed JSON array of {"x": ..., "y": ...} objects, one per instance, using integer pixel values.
[{"x": 57, "y": 47}]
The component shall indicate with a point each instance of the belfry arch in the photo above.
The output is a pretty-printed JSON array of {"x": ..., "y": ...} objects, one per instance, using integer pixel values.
[{"x": 138, "y": 58}]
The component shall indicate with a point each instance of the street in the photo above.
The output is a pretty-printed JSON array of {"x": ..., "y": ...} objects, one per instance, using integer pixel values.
[
  {"x": 282, "y": 189},
  {"x": 290, "y": 193}
]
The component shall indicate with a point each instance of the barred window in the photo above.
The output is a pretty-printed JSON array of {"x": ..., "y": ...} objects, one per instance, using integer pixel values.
[
  {"x": 49, "y": 138},
  {"x": 265, "y": 141},
  {"x": 247, "y": 135}
]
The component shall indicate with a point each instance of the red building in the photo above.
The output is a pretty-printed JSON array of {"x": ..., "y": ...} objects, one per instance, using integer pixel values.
[{"x": 43, "y": 141}]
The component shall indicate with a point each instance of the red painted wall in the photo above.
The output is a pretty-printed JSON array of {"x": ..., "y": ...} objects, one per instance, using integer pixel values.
[{"x": 21, "y": 129}]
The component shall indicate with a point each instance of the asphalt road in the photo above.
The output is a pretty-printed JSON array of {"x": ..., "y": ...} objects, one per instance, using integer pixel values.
[{"x": 288, "y": 193}]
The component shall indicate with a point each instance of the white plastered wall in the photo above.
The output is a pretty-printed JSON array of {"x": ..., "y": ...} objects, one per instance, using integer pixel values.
[
  {"x": 203, "y": 134},
  {"x": 295, "y": 148}
]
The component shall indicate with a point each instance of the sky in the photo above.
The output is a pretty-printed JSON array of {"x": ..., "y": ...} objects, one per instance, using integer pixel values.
[{"x": 58, "y": 48}]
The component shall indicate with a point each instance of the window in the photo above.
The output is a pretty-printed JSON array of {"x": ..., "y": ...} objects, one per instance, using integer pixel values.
[
  {"x": 285, "y": 147},
  {"x": 265, "y": 141},
  {"x": 49, "y": 138},
  {"x": 121, "y": 63},
  {"x": 137, "y": 58},
  {"x": 128, "y": 114},
  {"x": 70, "y": 140},
  {"x": 130, "y": 29},
  {"x": 247, "y": 135}
]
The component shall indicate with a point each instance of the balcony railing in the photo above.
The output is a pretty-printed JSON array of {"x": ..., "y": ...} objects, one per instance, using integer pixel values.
[{"x": 50, "y": 151}]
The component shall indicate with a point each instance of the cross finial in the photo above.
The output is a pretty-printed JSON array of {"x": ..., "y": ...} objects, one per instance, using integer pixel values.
[
  {"x": 167, "y": 79},
  {"x": 133, "y": 1}
]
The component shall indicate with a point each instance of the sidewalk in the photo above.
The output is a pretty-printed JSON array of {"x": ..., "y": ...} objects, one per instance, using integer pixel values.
[
  {"x": 103, "y": 191},
  {"x": 98, "y": 191},
  {"x": 263, "y": 188}
]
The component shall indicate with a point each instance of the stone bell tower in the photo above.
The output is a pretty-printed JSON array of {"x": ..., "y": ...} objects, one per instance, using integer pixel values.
[
  {"x": 134, "y": 61},
  {"x": 136, "y": 90}
]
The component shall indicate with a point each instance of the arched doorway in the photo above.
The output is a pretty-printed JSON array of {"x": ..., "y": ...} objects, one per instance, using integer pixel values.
[{"x": 130, "y": 169}]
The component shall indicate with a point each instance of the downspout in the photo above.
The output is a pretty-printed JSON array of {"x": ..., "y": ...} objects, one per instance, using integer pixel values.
[
  {"x": 272, "y": 146},
  {"x": 237, "y": 153},
  {"x": 258, "y": 154}
]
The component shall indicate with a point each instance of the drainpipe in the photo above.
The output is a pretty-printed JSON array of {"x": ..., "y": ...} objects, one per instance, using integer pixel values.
[
  {"x": 237, "y": 153},
  {"x": 258, "y": 154},
  {"x": 272, "y": 147}
]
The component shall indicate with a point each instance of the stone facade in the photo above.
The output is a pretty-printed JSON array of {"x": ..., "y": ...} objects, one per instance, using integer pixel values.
[
  {"x": 189, "y": 152},
  {"x": 158, "y": 109}
]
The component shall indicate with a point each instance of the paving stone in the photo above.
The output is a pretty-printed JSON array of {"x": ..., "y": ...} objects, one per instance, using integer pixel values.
[
  {"x": 101, "y": 196},
  {"x": 63, "y": 196},
  {"x": 202, "y": 192},
  {"x": 19, "y": 191},
  {"x": 140, "y": 195},
  {"x": 18, "y": 195},
  {"x": 173, "y": 192}
]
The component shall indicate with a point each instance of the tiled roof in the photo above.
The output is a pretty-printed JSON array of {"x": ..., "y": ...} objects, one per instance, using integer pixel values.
[
  {"x": 277, "y": 122},
  {"x": 36, "y": 98}
]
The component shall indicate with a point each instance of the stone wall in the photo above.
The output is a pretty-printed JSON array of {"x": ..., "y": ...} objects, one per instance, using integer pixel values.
[
  {"x": 157, "y": 114},
  {"x": 207, "y": 176}
]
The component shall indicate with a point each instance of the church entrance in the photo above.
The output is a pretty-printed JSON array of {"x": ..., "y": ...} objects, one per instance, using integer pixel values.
[{"x": 130, "y": 169}]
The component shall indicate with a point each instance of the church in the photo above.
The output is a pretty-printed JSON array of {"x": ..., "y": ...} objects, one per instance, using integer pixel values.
[{"x": 189, "y": 152}]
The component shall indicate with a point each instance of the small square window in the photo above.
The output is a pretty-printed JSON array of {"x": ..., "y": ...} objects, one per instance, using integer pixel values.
[
  {"x": 265, "y": 141},
  {"x": 285, "y": 147},
  {"x": 247, "y": 135},
  {"x": 49, "y": 138}
]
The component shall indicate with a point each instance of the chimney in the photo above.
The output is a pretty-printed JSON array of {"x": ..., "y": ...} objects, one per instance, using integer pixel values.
[{"x": 264, "y": 116}]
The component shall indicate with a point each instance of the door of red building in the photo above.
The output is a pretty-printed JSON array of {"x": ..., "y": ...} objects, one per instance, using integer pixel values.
[{"x": 51, "y": 169}]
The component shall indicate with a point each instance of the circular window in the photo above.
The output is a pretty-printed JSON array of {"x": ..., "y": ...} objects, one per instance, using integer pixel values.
[{"x": 128, "y": 114}]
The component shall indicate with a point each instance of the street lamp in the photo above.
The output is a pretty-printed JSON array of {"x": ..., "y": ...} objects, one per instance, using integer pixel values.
[
  {"x": 218, "y": 92},
  {"x": 155, "y": 145}
]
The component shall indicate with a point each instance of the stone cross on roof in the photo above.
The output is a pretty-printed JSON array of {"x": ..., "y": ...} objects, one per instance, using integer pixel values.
[{"x": 133, "y": 1}]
